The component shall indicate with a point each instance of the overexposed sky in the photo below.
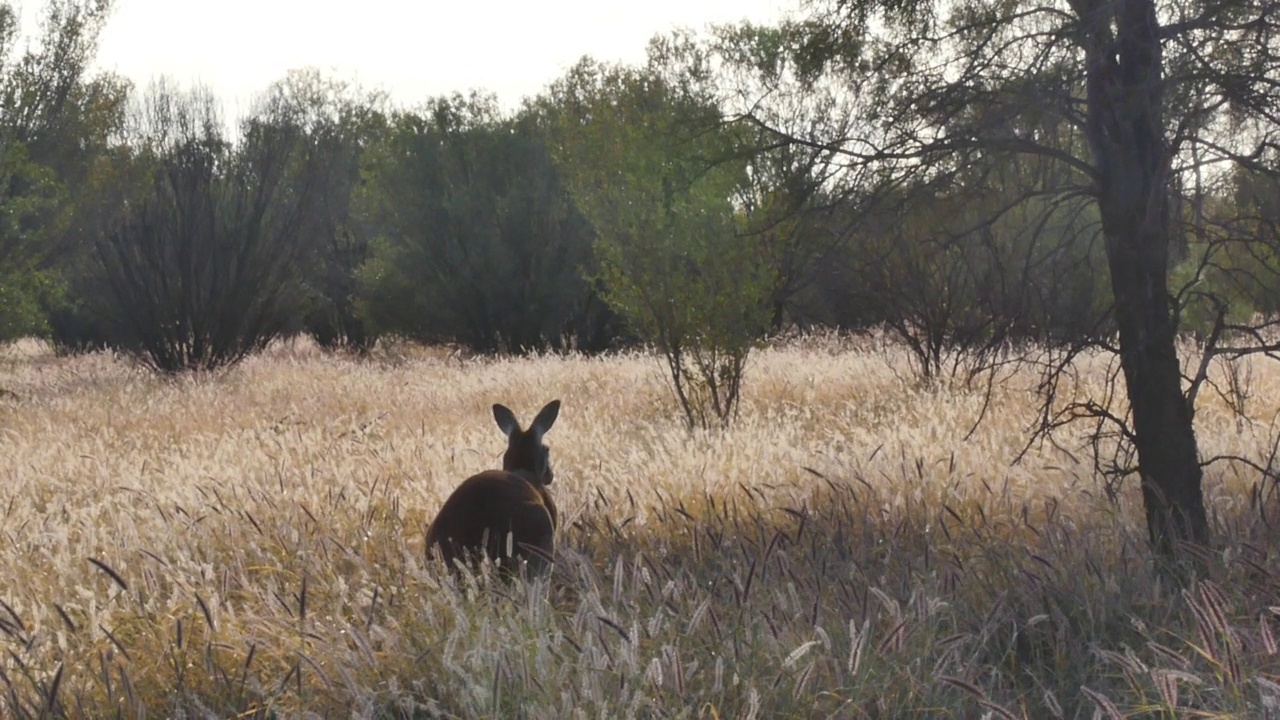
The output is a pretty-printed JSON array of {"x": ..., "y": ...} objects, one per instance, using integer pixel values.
[{"x": 412, "y": 50}]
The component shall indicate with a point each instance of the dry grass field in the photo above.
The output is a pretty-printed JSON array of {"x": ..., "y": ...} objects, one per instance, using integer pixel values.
[{"x": 251, "y": 545}]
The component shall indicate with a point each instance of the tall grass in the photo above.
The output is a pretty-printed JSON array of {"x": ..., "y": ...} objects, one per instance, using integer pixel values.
[{"x": 250, "y": 544}]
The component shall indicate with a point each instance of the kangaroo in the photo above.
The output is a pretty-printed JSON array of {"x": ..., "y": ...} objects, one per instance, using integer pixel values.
[{"x": 505, "y": 515}]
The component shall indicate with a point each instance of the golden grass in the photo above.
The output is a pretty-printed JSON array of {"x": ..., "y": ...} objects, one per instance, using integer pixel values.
[{"x": 251, "y": 544}]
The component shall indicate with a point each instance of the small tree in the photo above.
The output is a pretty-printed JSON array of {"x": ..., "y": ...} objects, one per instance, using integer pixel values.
[
  {"x": 962, "y": 270},
  {"x": 679, "y": 259},
  {"x": 199, "y": 265}
]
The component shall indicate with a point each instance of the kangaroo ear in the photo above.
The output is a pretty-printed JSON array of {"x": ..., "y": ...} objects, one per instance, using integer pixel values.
[
  {"x": 506, "y": 419},
  {"x": 546, "y": 418}
]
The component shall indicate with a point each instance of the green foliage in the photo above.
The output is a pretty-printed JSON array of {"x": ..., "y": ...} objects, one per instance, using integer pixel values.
[
  {"x": 392, "y": 299},
  {"x": 1214, "y": 290},
  {"x": 960, "y": 270},
  {"x": 24, "y": 295},
  {"x": 479, "y": 242},
  {"x": 1231, "y": 265},
  {"x": 23, "y": 285},
  {"x": 340, "y": 121},
  {"x": 53, "y": 122},
  {"x": 658, "y": 177}
]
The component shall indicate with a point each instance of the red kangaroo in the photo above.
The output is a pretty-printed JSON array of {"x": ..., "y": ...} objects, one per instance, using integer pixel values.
[{"x": 505, "y": 515}]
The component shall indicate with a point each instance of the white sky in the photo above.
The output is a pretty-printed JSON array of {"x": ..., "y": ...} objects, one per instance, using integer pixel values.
[{"x": 412, "y": 50}]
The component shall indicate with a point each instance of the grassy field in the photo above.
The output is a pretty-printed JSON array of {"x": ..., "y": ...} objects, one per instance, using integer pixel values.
[{"x": 250, "y": 545}]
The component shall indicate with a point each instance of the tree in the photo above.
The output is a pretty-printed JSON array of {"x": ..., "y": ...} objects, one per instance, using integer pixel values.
[
  {"x": 53, "y": 122},
  {"x": 964, "y": 270},
  {"x": 199, "y": 266},
  {"x": 477, "y": 241},
  {"x": 340, "y": 123},
  {"x": 667, "y": 189},
  {"x": 1149, "y": 93}
]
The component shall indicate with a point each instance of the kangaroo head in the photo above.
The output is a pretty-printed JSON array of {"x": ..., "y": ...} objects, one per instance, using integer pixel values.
[{"x": 525, "y": 451}]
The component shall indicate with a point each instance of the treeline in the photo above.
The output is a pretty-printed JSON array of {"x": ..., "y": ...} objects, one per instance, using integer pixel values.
[
  {"x": 138, "y": 219},
  {"x": 623, "y": 204}
]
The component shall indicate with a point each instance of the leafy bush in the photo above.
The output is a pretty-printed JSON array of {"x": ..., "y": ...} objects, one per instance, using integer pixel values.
[
  {"x": 678, "y": 259},
  {"x": 478, "y": 242}
]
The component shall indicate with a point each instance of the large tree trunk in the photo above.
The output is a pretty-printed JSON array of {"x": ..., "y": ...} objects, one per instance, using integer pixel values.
[
  {"x": 1167, "y": 457},
  {"x": 1132, "y": 156}
]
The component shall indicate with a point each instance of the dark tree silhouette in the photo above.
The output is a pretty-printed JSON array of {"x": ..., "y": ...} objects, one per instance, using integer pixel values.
[{"x": 200, "y": 265}]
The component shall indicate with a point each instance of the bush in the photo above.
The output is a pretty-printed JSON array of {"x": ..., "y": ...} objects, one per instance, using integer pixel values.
[
  {"x": 200, "y": 265},
  {"x": 477, "y": 241}
]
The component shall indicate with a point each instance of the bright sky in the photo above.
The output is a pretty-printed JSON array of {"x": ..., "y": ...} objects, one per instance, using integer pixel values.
[{"x": 412, "y": 50}]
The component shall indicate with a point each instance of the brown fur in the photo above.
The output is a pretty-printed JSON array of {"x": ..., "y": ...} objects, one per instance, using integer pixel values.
[{"x": 506, "y": 514}]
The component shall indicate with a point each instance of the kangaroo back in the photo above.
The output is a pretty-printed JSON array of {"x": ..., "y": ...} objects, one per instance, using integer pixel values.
[{"x": 505, "y": 515}]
